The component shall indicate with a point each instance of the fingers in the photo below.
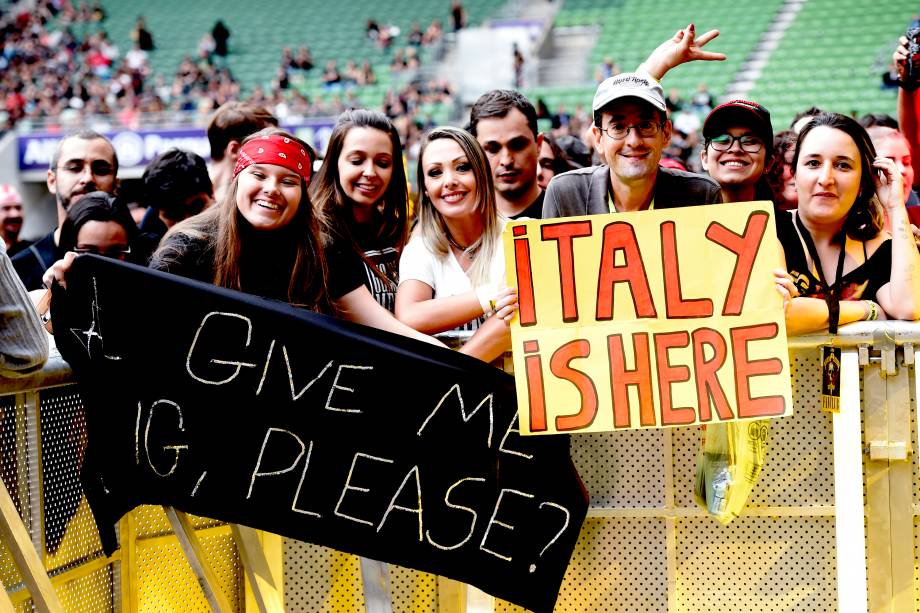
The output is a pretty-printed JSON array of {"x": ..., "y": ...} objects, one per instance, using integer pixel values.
[
  {"x": 702, "y": 39},
  {"x": 58, "y": 271}
]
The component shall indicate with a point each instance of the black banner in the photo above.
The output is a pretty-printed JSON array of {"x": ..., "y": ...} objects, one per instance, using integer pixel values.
[{"x": 253, "y": 412}]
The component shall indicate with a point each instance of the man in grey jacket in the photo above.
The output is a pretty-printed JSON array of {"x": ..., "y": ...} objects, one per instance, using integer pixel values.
[{"x": 631, "y": 129}]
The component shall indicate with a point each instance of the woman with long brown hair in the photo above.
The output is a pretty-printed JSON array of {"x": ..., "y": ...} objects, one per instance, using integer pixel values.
[{"x": 361, "y": 189}]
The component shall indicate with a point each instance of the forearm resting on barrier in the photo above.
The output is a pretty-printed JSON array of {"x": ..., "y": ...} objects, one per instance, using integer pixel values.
[{"x": 806, "y": 315}]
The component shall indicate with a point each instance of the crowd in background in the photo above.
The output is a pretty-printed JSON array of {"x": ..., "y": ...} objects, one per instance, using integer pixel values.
[{"x": 59, "y": 66}]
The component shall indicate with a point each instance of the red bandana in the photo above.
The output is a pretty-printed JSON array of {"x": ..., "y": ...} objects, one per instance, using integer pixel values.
[{"x": 278, "y": 150}]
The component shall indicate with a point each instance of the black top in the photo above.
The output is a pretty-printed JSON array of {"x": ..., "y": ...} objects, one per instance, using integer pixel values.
[
  {"x": 150, "y": 232},
  {"x": 861, "y": 283},
  {"x": 378, "y": 254},
  {"x": 267, "y": 260},
  {"x": 32, "y": 262},
  {"x": 534, "y": 211}
]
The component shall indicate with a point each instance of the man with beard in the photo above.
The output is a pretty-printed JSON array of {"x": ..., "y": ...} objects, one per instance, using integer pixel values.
[
  {"x": 505, "y": 124},
  {"x": 11, "y": 219},
  {"x": 84, "y": 162}
]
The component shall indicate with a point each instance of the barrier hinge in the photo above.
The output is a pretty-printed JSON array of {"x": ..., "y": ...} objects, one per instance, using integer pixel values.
[{"x": 893, "y": 451}]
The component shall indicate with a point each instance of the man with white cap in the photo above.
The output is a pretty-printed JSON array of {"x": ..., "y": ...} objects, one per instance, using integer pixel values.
[
  {"x": 11, "y": 219},
  {"x": 630, "y": 130}
]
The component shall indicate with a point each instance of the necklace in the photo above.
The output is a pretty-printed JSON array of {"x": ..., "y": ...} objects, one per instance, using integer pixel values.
[{"x": 450, "y": 239}]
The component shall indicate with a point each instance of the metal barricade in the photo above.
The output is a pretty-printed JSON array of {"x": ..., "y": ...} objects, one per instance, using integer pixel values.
[{"x": 830, "y": 526}]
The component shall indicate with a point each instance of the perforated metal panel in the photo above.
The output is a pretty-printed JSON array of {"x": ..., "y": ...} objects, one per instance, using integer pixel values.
[
  {"x": 14, "y": 421},
  {"x": 757, "y": 564},
  {"x": 165, "y": 578},
  {"x": 782, "y": 563}
]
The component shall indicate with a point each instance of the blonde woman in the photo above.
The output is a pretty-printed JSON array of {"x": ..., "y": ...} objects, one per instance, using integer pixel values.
[{"x": 452, "y": 271}]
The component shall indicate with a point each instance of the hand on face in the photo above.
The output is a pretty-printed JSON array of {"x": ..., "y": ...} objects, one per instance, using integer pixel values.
[{"x": 889, "y": 183}]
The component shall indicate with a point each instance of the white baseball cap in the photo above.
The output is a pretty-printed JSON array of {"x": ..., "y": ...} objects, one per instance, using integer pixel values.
[{"x": 629, "y": 85}]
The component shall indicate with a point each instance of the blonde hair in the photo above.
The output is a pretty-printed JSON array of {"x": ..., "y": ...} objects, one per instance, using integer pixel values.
[{"x": 431, "y": 226}]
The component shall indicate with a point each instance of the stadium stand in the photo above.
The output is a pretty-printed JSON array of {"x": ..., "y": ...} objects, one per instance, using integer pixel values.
[
  {"x": 258, "y": 37},
  {"x": 832, "y": 57},
  {"x": 628, "y": 26}
]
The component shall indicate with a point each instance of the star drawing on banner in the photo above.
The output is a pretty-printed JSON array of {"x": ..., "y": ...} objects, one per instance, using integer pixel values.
[{"x": 95, "y": 329}]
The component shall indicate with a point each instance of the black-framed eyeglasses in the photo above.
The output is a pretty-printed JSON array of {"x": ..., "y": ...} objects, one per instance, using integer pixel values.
[
  {"x": 647, "y": 128},
  {"x": 116, "y": 253},
  {"x": 748, "y": 142}
]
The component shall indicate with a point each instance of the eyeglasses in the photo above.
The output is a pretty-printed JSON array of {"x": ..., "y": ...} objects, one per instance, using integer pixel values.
[
  {"x": 748, "y": 142},
  {"x": 646, "y": 129},
  {"x": 116, "y": 253},
  {"x": 99, "y": 168}
]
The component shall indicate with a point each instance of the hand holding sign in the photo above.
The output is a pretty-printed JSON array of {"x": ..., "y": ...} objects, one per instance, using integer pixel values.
[
  {"x": 651, "y": 319},
  {"x": 261, "y": 414}
]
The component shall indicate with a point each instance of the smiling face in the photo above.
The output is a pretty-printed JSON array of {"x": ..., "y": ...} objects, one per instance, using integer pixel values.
[
  {"x": 827, "y": 175},
  {"x": 633, "y": 158},
  {"x": 736, "y": 166},
  {"x": 449, "y": 180},
  {"x": 365, "y": 166},
  {"x": 268, "y": 196}
]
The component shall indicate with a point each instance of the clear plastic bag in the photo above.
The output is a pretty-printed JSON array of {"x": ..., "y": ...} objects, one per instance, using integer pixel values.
[{"x": 729, "y": 461}]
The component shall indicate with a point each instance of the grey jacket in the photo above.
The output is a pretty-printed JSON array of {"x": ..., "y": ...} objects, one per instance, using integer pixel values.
[{"x": 584, "y": 191}]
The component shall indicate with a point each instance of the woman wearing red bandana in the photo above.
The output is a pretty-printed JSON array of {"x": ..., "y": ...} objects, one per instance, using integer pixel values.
[{"x": 265, "y": 238}]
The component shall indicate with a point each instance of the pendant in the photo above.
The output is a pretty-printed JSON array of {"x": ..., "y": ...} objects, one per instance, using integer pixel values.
[{"x": 830, "y": 379}]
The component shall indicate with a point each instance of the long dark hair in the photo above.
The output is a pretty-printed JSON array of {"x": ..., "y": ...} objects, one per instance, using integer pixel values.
[
  {"x": 221, "y": 226},
  {"x": 329, "y": 197},
  {"x": 864, "y": 221},
  {"x": 95, "y": 206}
]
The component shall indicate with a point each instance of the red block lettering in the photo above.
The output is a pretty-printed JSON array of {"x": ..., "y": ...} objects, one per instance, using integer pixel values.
[
  {"x": 746, "y": 368},
  {"x": 708, "y": 388},
  {"x": 527, "y": 313},
  {"x": 668, "y": 374},
  {"x": 559, "y": 365},
  {"x": 621, "y": 378},
  {"x": 536, "y": 391},
  {"x": 620, "y": 236},
  {"x": 563, "y": 234},
  {"x": 745, "y": 247},
  {"x": 676, "y": 306}
]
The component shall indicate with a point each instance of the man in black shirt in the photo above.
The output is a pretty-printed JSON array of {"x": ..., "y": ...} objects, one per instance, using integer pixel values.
[
  {"x": 84, "y": 162},
  {"x": 505, "y": 124}
]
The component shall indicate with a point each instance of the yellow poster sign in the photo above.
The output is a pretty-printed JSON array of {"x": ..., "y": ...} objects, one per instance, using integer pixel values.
[{"x": 647, "y": 320}]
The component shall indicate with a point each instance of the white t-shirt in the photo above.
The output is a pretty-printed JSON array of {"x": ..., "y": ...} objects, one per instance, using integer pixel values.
[{"x": 444, "y": 274}]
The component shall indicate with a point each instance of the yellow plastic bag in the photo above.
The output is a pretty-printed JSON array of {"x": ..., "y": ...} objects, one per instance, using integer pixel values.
[{"x": 727, "y": 466}]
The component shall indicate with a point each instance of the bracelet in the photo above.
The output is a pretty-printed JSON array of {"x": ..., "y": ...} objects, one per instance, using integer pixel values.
[
  {"x": 486, "y": 296},
  {"x": 871, "y": 311}
]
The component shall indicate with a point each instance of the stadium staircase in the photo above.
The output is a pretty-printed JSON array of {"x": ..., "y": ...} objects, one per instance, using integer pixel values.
[
  {"x": 627, "y": 30},
  {"x": 786, "y": 54},
  {"x": 832, "y": 56}
]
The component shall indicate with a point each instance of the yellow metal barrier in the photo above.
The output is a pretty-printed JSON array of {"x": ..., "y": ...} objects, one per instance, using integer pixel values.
[{"x": 830, "y": 526}]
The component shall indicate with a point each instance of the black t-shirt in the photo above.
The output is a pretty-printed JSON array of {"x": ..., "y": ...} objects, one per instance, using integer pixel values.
[
  {"x": 534, "y": 211},
  {"x": 267, "y": 261},
  {"x": 384, "y": 257},
  {"x": 861, "y": 283}
]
